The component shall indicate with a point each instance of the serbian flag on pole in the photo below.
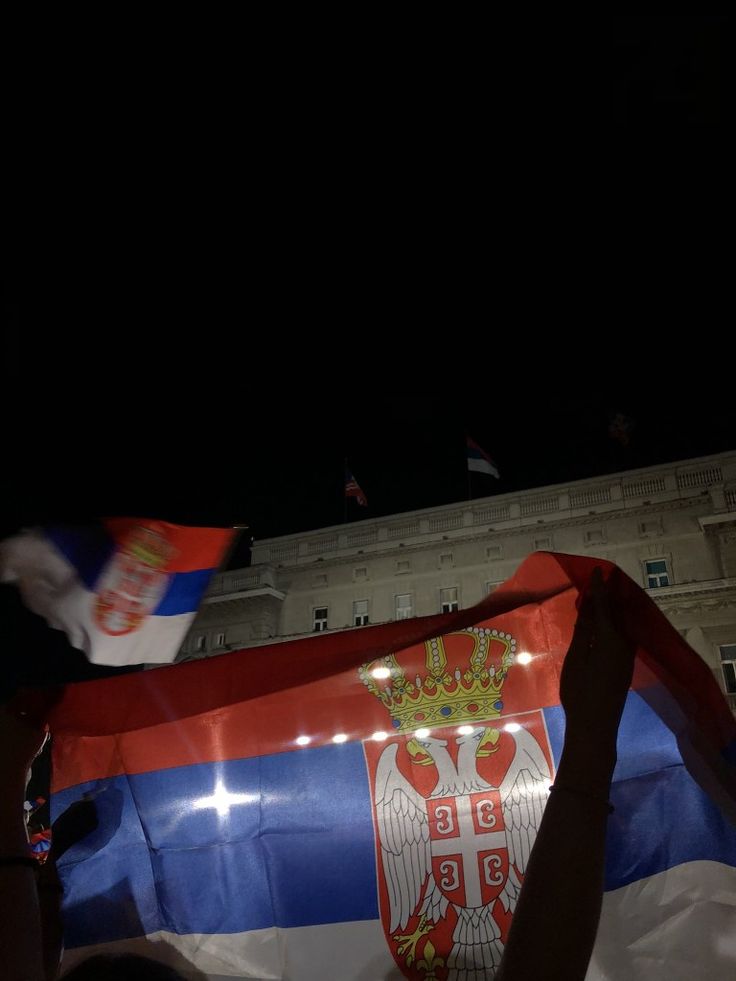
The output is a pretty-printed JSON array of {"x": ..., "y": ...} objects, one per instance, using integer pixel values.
[
  {"x": 352, "y": 489},
  {"x": 362, "y": 804},
  {"x": 479, "y": 461},
  {"x": 124, "y": 591}
]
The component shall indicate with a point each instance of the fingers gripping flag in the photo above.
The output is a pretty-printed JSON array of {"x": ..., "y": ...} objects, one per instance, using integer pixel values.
[{"x": 125, "y": 591}]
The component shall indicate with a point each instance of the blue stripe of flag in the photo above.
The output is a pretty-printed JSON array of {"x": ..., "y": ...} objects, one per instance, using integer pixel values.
[
  {"x": 662, "y": 817},
  {"x": 184, "y": 592},
  {"x": 301, "y": 850},
  {"x": 88, "y": 549}
]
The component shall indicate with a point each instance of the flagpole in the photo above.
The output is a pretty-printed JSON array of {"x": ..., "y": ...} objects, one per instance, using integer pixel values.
[
  {"x": 467, "y": 470},
  {"x": 344, "y": 495}
]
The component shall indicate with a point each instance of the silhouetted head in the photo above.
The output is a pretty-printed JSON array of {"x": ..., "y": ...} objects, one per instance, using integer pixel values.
[{"x": 121, "y": 967}]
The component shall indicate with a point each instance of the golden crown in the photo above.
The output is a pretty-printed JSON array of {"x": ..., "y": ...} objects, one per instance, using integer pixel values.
[
  {"x": 444, "y": 697},
  {"x": 149, "y": 547}
]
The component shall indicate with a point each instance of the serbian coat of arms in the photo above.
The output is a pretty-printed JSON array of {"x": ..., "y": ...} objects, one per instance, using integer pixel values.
[
  {"x": 458, "y": 793},
  {"x": 134, "y": 580}
]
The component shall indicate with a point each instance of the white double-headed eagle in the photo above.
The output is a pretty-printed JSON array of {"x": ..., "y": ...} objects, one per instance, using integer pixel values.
[{"x": 403, "y": 818}]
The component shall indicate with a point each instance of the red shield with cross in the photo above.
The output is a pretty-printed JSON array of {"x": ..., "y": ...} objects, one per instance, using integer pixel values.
[{"x": 470, "y": 859}]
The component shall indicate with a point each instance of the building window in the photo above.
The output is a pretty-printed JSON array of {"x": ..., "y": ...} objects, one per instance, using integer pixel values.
[
  {"x": 220, "y": 640},
  {"x": 595, "y": 537},
  {"x": 446, "y": 560},
  {"x": 494, "y": 552},
  {"x": 403, "y": 567},
  {"x": 543, "y": 544},
  {"x": 728, "y": 666},
  {"x": 360, "y": 574},
  {"x": 319, "y": 618},
  {"x": 403, "y": 606},
  {"x": 360, "y": 613},
  {"x": 657, "y": 573},
  {"x": 491, "y": 587},
  {"x": 320, "y": 580},
  {"x": 200, "y": 644},
  {"x": 448, "y": 600},
  {"x": 649, "y": 529}
]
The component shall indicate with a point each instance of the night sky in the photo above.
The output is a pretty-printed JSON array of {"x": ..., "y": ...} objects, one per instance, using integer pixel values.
[
  {"x": 550, "y": 256},
  {"x": 665, "y": 69}
]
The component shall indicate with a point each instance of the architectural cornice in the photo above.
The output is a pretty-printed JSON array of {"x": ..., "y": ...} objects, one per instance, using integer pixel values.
[
  {"x": 713, "y": 594},
  {"x": 380, "y": 550},
  {"x": 247, "y": 593},
  {"x": 697, "y": 483}
]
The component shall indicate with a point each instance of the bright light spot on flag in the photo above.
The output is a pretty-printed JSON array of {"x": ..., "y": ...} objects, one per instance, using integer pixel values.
[
  {"x": 340, "y": 737},
  {"x": 381, "y": 672},
  {"x": 303, "y": 740},
  {"x": 523, "y": 658},
  {"x": 547, "y": 785},
  {"x": 465, "y": 730},
  {"x": 421, "y": 733},
  {"x": 512, "y": 727},
  {"x": 379, "y": 736},
  {"x": 222, "y": 800}
]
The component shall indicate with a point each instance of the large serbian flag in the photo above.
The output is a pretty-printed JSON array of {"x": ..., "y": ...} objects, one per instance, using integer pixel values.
[
  {"x": 361, "y": 805},
  {"x": 125, "y": 591}
]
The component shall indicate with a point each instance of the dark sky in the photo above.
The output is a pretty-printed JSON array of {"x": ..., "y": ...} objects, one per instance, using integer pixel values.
[
  {"x": 665, "y": 69},
  {"x": 266, "y": 448},
  {"x": 513, "y": 251}
]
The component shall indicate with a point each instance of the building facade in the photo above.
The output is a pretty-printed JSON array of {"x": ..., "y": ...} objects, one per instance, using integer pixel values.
[{"x": 672, "y": 528}]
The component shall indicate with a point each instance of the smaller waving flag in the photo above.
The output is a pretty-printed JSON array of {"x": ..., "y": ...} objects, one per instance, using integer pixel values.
[
  {"x": 39, "y": 844},
  {"x": 352, "y": 489},
  {"x": 479, "y": 461},
  {"x": 124, "y": 591}
]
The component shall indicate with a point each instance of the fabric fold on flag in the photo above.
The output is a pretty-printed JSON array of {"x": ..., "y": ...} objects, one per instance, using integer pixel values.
[
  {"x": 240, "y": 797},
  {"x": 479, "y": 461},
  {"x": 125, "y": 590}
]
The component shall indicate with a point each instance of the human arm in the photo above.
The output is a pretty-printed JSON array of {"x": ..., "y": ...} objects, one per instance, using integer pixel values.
[{"x": 556, "y": 919}]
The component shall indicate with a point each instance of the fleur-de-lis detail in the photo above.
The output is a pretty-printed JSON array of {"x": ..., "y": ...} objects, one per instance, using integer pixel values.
[{"x": 429, "y": 964}]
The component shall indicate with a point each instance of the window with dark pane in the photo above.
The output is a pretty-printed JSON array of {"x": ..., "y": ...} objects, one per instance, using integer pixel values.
[
  {"x": 360, "y": 613},
  {"x": 657, "y": 573},
  {"x": 448, "y": 600}
]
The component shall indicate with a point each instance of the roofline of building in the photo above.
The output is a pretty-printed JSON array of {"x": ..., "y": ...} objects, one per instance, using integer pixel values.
[{"x": 501, "y": 498}]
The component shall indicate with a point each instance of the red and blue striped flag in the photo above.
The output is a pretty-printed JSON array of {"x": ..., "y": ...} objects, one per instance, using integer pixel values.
[
  {"x": 479, "y": 461},
  {"x": 352, "y": 489},
  {"x": 347, "y": 805}
]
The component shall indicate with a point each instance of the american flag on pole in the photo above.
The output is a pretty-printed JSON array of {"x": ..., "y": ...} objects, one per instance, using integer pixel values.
[{"x": 352, "y": 489}]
